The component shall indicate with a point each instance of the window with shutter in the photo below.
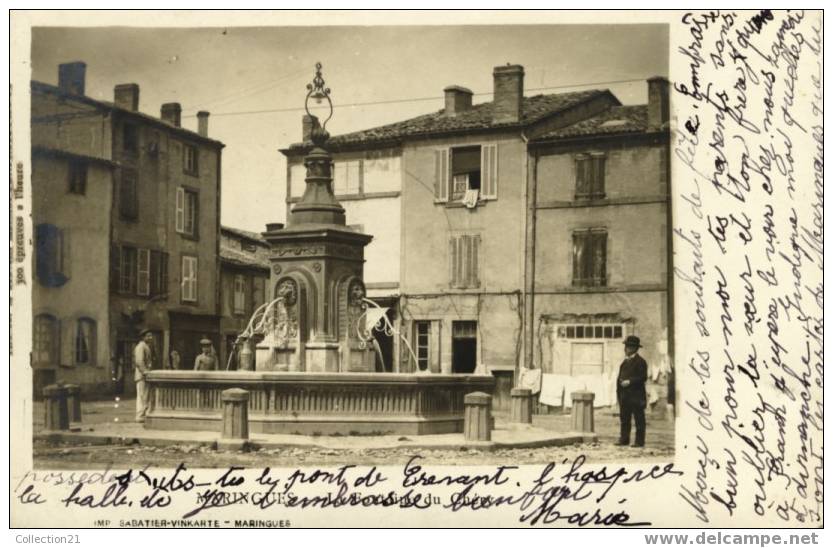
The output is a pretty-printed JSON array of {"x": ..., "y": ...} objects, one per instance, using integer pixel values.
[
  {"x": 50, "y": 255},
  {"x": 128, "y": 195},
  {"x": 239, "y": 294},
  {"x": 442, "y": 174},
  {"x": 590, "y": 258},
  {"x": 347, "y": 177},
  {"x": 464, "y": 261},
  {"x": 163, "y": 273},
  {"x": 78, "y": 177},
  {"x": 489, "y": 170},
  {"x": 187, "y": 211},
  {"x": 127, "y": 269},
  {"x": 180, "y": 209},
  {"x": 189, "y": 279},
  {"x": 130, "y": 138},
  {"x": 466, "y": 173},
  {"x": 158, "y": 273},
  {"x": 115, "y": 267},
  {"x": 143, "y": 273},
  {"x": 46, "y": 336},
  {"x": 422, "y": 336},
  {"x": 590, "y": 176},
  {"x": 85, "y": 333},
  {"x": 190, "y": 160},
  {"x": 258, "y": 292}
]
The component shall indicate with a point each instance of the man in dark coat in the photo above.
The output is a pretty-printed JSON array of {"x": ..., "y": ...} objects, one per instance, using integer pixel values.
[{"x": 630, "y": 392}]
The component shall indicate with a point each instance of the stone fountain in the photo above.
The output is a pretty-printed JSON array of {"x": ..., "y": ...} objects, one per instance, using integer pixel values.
[{"x": 314, "y": 367}]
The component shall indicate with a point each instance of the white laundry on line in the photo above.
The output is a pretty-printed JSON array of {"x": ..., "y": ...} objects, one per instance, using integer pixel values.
[
  {"x": 531, "y": 379},
  {"x": 552, "y": 389}
]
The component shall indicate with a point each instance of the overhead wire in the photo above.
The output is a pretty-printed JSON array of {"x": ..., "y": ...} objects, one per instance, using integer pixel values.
[{"x": 413, "y": 99}]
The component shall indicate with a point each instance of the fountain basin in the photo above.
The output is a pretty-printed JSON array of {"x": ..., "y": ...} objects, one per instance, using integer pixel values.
[{"x": 315, "y": 403}]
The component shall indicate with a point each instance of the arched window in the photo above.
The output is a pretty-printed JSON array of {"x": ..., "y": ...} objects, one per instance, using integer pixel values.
[
  {"x": 85, "y": 331},
  {"x": 45, "y": 339}
]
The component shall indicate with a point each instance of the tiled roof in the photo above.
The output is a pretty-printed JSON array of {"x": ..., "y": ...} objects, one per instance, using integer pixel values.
[
  {"x": 479, "y": 117},
  {"x": 49, "y": 88},
  {"x": 615, "y": 120},
  {"x": 255, "y": 236},
  {"x": 239, "y": 257},
  {"x": 230, "y": 251}
]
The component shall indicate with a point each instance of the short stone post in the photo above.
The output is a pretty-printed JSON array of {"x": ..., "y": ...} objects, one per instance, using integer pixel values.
[
  {"x": 478, "y": 418},
  {"x": 521, "y": 405},
  {"x": 583, "y": 411},
  {"x": 235, "y": 419},
  {"x": 74, "y": 402},
  {"x": 57, "y": 410}
]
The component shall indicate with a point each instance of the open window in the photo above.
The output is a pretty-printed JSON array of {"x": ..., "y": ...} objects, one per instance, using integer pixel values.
[
  {"x": 465, "y": 174},
  {"x": 465, "y": 171}
]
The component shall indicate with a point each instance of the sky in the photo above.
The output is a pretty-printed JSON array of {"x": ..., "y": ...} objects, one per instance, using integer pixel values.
[{"x": 236, "y": 73}]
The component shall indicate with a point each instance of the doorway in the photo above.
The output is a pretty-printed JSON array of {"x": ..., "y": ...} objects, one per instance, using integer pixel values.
[{"x": 463, "y": 346}]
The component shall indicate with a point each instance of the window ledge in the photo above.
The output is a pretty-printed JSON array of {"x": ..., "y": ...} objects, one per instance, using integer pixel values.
[
  {"x": 187, "y": 236},
  {"x": 456, "y": 204}
]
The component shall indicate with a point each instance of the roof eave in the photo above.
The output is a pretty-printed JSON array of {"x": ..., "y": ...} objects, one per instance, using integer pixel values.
[{"x": 101, "y": 105}]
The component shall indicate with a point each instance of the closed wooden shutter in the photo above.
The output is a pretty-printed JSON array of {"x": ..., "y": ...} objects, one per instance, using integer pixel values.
[
  {"x": 189, "y": 278},
  {"x": 489, "y": 171},
  {"x": 453, "y": 243},
  {"x": 474, "y": 273},
  {"x": 143, "y": 272},
  {"x": 582, "y": 186},
  {"x": 154, "y": 273},
  {"x": 598, "y": 184},
  {"x": 464, "y": 260},
  {"x": 115, "y": 267},
  {"x": 441, "y": 174}
]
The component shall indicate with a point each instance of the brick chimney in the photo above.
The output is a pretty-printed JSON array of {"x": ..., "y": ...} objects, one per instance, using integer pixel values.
[
  {"x": 658, "y": 102},
  {"x": 172, "y": 113},
  {"x": 308, "y": 123},
  {"x": 509, "y": 94},
  {"x": 126, "y": 96},
  {"x": 457, "y": 100},
  {"x": 71, "y": 77},
  {"x": 202, "y": 123}
]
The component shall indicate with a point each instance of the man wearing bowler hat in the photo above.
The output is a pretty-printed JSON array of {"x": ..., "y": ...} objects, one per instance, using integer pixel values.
[
  {"x": 142, "y": 364},
  {"x": 630, "y": 392}
]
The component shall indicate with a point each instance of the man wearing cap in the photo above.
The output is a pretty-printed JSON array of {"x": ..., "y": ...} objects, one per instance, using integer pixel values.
[
  {"x": 630, "y": 392},
  {"x": 142, "y": 364},
  {"x": 206, "y": 361}
]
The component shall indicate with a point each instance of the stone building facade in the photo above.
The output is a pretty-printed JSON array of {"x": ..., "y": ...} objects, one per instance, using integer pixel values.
[
  {"x": 144, "y": 225},
  {"x": 244, "y": 285},
  {"x": 521, "y": 223}
]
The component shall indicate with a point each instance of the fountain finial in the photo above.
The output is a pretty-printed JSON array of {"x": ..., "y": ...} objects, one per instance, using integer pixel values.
[{"x": 318, "y": 91}]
